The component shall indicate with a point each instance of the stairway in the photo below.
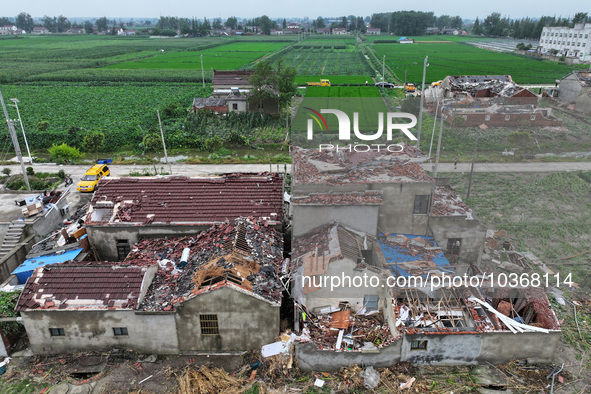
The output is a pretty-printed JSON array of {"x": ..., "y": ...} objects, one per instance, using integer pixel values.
[{"x": 13, "y": 237}]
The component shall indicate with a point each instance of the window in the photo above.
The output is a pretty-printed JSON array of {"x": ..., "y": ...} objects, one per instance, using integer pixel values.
[
  {"x": 209, "y": 324},
  {"x": 487, "y": 117},
  {"x": 120, "y": 331},
  {"x": 370, "y": 301},
  {"x": 533, "y": 117},
  {"x": 507, "y": 117},
  {"x": 235, "y": 107},
  {"x": 57, "y": 332},
  {"x": 418, "y": 345},
  {"x": 570, "y": 35},
  {"x": 421, "y": 203},
  {"x": 123, "y": 248},
  {"x": 453, "y": 245}
]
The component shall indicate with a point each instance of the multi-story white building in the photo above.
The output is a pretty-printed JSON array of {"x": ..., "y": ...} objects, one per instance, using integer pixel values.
[{"x": 568, "y": 41}]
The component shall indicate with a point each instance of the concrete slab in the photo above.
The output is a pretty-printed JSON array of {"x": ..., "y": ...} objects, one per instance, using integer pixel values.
[{"x": 489, "y": 377}]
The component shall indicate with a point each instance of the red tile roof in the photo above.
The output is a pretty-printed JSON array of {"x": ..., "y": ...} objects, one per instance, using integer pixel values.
[
  {"x": 83, "y": 287},
  {"x": 191, "y": 200},
  {"x": 231, "y": 78}
]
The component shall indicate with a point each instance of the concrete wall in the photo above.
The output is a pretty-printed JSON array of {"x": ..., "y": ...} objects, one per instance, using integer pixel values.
[
  {"x": 499, "y": 120},
  {"x": 3, "y": 229},
  {"x": 312, "y": 359},
  {"x": 245, "y": 322},
  {"x": 309, "y": 217},
  {"x": 569, "y": 89},
  {"x": 324, "y": 296},
  {"x": 583, "y": 104},
  {"x": 93, "y": 330},
  {"x": 472, "y": 233},
  {"x": 442, "y": 349},
  {"x": 500, "y": 347},
  {"x": 103, "y": 238},
  {"x": 46, "y": 224},
  {"x": 396, "y": 213},
  {"x": 15, "y": 257},
  {"x": 242, "y": 105}
]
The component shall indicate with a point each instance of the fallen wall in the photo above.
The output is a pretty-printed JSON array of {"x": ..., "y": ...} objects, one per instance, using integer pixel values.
[{"x": 311, "y": 358}]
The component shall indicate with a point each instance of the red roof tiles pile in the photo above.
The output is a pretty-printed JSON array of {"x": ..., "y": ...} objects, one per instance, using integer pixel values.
[
  {"x": 447, "y": 202},
  {"x": 343, "y": 167},
  {"x": 193, "y": 200},
  {"x": 75, "y": 287}
]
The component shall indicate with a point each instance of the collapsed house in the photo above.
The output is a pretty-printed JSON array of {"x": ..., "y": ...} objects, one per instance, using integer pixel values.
[
  {"x": 491, "y": 100},
  {"x": 125, "y": 209},
  {"x": 381, "y": 190},
  {"x": 410, "y": 313},
  {"x": 217, "y": 291},
  {"x": 575, "y": 88}
]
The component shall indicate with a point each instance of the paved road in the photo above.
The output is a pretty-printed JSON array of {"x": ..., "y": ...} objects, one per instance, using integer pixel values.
[{"x": 205, "y": 169}]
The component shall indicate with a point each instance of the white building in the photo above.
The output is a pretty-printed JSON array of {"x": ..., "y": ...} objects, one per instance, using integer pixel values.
[{"x": 569, "y": 42}]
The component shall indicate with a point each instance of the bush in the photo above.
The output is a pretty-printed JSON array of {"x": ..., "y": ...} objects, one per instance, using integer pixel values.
[
  {"x": 520, "y": 138},
  {"x": 43, "y": 125},
  {"x": 6, "y": 171},
  {"x": 61, "y": 174},
  {"x": 152, "y": 142},
  {"x": 213, "y": 144},
  {"x": 64, "y": 152},
  {"x": 30, "y": 171}
]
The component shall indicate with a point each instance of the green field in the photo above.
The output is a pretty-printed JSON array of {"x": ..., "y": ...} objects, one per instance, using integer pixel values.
[
  {"x": 462, "y": 59},
  {"x": 342, "y": 91},
  {"x": 225, "y": 57},
  {"x": 334, "y": 79}
]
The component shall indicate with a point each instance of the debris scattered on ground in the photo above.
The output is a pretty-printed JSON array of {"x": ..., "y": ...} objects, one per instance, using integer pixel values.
[{"x": 207, "y": 380}]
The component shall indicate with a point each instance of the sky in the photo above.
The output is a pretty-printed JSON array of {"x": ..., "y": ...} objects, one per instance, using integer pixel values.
[{"x": 467, "y": 9}]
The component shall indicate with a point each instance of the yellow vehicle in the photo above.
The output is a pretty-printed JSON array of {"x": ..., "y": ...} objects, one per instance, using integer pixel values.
[
  {"x": 437, "y": 83},
  {"x": 323, "y": 82},
  {"x": 89, "y": 182},
  {"x": 410, "y": 88}
]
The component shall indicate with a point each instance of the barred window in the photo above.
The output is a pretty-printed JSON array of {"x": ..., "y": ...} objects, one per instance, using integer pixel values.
[
  {"x": 57, "y": 332},
  {"x": 418, "y": 345},
  {"x": 120, "y": 331},
  {"x": 209, "y": 324}
]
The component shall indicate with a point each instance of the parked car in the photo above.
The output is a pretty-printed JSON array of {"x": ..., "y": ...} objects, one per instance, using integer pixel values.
[
  {"x": 385, "y": 85},
  {"x": 90, "y": 179}
]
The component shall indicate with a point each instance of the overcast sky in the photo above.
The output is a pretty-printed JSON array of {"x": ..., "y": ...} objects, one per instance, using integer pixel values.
[{"x": 467, "y": 9}]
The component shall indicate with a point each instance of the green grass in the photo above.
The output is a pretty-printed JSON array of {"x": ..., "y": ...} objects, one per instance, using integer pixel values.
[
  {"x": 458, "y": 58},
  {"x": 342, "y": 91}
]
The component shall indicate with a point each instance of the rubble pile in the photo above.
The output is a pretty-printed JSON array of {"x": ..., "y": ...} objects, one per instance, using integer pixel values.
[
  {"x": 502, "y": 87},
  {"x": 343, "y": 167},
  {"x": 447, "y": 202},
  {"x": 345, "y": 198},
  {"x": 360, "y": 332},
  {"x": 245, "y": 252}
]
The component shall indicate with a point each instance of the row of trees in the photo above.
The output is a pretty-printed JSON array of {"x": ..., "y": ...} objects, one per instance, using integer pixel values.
[
  {"x": 495, "y": 25},
  {"x": 413, "y": 23}
]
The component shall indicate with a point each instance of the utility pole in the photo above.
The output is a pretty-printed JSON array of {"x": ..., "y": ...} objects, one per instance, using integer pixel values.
[
  {"x": 17, "y": 147},
  {"x": 405, "y": 71},
  {"x": 434, "y": 125},
  {"x": 422, "y": 97},
  {"x": 163, "y": 143},
  {"x": 202, "y": 72},
  {"x": 383, "y": 68},
  {"x": 472, "y": 168},
  {"x": 438, "y": 145},
  {"x": 16, "y": 101}
]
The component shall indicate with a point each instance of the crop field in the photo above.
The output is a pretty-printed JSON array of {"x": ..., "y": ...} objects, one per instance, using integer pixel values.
[
  {"x": 342, "y": 91},
  {"x": 326, "y": 62},
  {"x": 462, "y": 59},
  {"x": 125, "y": 112},
  {"x": 224, "y": 57}
]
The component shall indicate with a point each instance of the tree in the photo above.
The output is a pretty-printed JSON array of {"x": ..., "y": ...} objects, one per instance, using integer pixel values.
[
  {"x": 205, "y": 27},
  {"x": 50, "y": 23},
  {"x": 492, "y": 25},
  {"x": 102, "y": 24},
  {"x": 361, "y": 25},
  {"x": 266, "y": 24},
  {"x": 62, "y": 24},
  {"x": 5, "y": 21},
  {"x": 217, "y": 23},
  {"x": 64, "y": 152},
  {"x": 320, "y": 22},
  {"x": 232, "y": 22},
  {"x": 580, "y": 17},
  {"x": 344, "y": 22},
  {"x": 24, "y": 21},
  {"x": 152, "y": 142},
  {"x": 88, "y": 27},
  {"x": 284, "y": 24},
  {"x": 94, "y": 141},
  {"x": 272, "y": 82},
  {"x": 477, "y": 29}
]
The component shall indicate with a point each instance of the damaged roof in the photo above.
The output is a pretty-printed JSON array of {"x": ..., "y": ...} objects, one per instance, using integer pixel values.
[
  {"x": 413, "y": 255},
  {"x": 188, "y": 200},
  {"x": 584, "y": 77},
  {"x": 344, "y": 167},
  {"x": 245, "y": 254},
  {"x": 488, "y": 86},
  {"x": 231, "y": 78},
  {"x": 69, "y": 286},
  {"x": 447, "y": 202},
  {"x": 207, "y": 102},
  {"x": 341, "y": 198}
]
